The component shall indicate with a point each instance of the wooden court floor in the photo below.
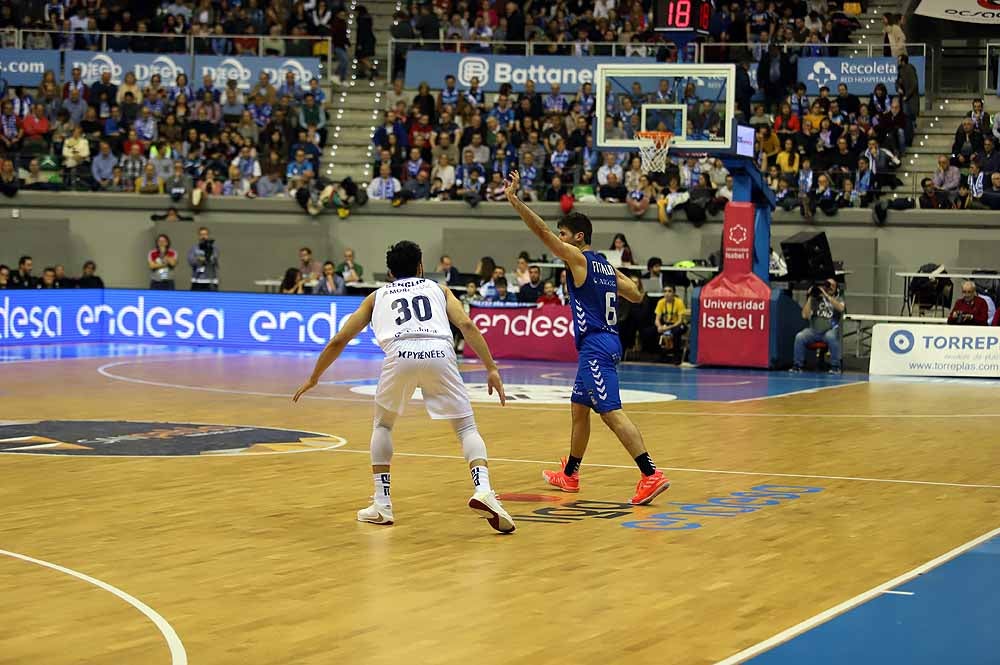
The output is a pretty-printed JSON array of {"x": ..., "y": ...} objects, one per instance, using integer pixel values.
[{"x": 257, "y": 558}]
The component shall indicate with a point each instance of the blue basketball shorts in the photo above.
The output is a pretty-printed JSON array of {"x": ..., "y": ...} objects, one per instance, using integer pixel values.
[{"x": 596, "y": 382}]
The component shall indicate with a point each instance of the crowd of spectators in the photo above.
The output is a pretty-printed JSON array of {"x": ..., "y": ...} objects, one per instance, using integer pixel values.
[
  {"x": 614, "y": 27},
  {"x": 818, "y": 153},
  {"x": 251, "y": 27},
  {"x": 52, "y": 277},
  {"x": 207, "y": 137},
  {"x": 968, "y": 178}
]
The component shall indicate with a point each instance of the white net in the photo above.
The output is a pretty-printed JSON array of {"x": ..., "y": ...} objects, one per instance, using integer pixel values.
[{"x": 654, "y": 148}]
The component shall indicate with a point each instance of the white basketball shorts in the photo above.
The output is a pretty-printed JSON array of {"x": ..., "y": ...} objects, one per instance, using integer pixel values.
[{"x": 427, "y": 364}]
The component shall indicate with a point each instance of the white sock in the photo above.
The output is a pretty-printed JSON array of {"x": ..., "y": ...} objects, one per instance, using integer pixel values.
[
  {"x": 481, "y": 478},
  {"x": 381, "y": 493}
]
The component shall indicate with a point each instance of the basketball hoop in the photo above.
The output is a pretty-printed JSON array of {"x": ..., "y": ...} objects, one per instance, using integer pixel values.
[{"x": 653, "y": 149}]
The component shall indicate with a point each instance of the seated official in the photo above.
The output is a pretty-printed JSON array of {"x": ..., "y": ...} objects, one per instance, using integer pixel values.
[
  {"x": 970, "y": 309},
  {"x": 667, "y": 332},
  {"x": 824, "y": 309}
]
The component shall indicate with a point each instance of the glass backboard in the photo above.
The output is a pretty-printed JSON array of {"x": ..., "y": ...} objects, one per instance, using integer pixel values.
[{"x": 695, "y": 102}]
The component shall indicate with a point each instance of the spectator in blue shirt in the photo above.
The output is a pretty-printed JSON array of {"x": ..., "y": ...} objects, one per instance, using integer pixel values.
[
  {"x": 145, "y": 127},
  {"x": 290, "y": 87},
  {"x": 311, "y": 150},
  {"x": 208, "y": 86},
  {"x": 503, "y": 112},
  {"x": 299, "y": 166},
  {"x": 102, "y": 166},
  {"x": 554, "y": 102},
  {"x": 260, "y": 111},
  {"x": 560, "y": 158},
  {"x": 502, "y": 294},
  {"x": 474, "y": 95}
]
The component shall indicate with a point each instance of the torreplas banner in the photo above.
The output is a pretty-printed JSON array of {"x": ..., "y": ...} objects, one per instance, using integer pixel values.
[
  {"x": 247, "y": 69},
  {"x": 495, "y": 70},
  {"x": 979, "y": 12},
  {"x": 25, "y": 67},
  {"x": 861, "y": 74},
  {"x": 245, "y": 320},
  {"x": 935, "y": 350}
]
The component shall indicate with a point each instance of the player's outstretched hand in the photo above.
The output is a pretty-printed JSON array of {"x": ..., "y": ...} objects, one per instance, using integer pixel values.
[
  {"x": 513, "y": 184},
  {"x": 306, "y": 387},
  {"x": 494, "y": 382}
]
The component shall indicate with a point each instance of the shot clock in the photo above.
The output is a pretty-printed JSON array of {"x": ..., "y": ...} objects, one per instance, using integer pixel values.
[{"x": 676, "y": 15}]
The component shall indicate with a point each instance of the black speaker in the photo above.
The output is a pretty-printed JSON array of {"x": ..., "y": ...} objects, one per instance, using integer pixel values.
[{"x": 808, "y": 257}]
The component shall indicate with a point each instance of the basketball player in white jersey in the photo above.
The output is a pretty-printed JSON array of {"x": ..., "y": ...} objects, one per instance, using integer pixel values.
[{"x": 410, "y": 318}]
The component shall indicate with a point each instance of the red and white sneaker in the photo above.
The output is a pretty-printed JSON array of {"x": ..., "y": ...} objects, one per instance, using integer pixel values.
[
  {"x": 561, "y": 480},
  {"x": 649, "y": 488}
]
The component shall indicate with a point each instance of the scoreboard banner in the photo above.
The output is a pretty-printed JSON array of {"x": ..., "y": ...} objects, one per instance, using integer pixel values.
[{"x": 681, "y": 15}]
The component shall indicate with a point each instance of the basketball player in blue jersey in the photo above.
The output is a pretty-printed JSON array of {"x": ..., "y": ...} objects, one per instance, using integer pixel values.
[{"x": 594, "y": 287}]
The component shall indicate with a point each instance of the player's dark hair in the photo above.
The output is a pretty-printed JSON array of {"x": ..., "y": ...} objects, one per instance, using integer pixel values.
[
  {"x": 403, "y": 258},
  {"x": 576, "y": 222},
  {"x": 24, "y": 259},
  {"x": 653, "y": 261},
  {"x": 500, "y": 281}
]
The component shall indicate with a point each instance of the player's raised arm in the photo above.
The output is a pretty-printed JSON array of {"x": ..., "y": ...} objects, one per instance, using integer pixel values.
[
  {"x": 627, "y": 288},
  {"x": 568, "y": 253},
  {"x": 474, "y": 338},
  {"x": 352, "y": 328}
]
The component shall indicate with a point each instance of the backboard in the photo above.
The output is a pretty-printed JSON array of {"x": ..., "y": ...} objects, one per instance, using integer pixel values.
[{"x": 695, "y": 102}]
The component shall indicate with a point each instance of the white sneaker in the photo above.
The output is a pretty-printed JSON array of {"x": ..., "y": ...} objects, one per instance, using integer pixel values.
[
  {"x": 376, "y": 514},
  {"x": 487, "y": 504}
]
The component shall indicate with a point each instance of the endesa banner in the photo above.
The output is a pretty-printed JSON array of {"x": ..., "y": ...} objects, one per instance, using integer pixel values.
[
  {"x": 735, "y": 307},
  {"x": 252, "y": 321},
  {"x": 935, "y": 350},
  {"x": 860, "y": 74},
  {"x": 526, "y": 333},
  {"x": 495, "y": 70}
]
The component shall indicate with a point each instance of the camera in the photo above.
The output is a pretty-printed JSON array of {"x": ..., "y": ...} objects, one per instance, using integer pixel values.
[
  {"x": 814, "y": 291},
  {"x": 208, "y": 247}
]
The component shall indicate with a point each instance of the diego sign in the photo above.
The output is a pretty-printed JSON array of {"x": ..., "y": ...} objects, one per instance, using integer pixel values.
[
  {"x": 247, "y": 69},
  {"x": 213, "y": 319},
  {"x": 93, "y": 64},
  {"x": 934, "y": 350}
]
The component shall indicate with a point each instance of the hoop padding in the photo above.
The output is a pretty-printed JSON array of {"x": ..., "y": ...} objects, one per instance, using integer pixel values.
[{"x": 654, "y": 149}]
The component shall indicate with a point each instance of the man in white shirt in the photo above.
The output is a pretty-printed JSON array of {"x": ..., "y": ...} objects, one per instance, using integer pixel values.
[
  {"x": 610, "y": 166},
  {"x": 384, "y": 187}
]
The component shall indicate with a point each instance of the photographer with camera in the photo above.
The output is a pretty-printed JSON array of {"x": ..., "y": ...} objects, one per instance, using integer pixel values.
[
  {"x": 203, "y": 258},
  {"x": 824, "y": 310},
  {"x": 970, "y": 309}
]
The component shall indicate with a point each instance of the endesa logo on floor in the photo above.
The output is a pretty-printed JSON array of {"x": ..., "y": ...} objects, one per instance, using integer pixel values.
[
  {"x": 234, "y": 319},
  {"x": 527, "y": 333}
]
